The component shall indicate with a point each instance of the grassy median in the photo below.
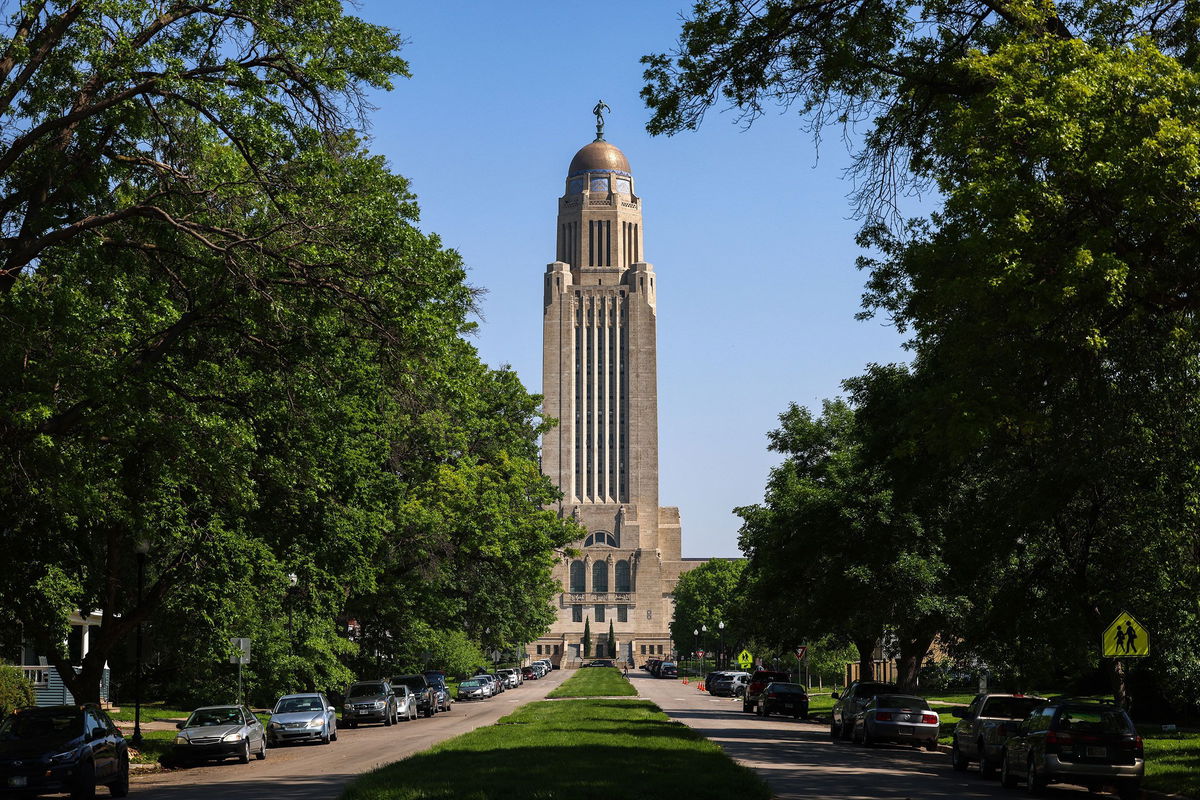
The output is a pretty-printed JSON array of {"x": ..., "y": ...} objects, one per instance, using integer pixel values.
[
  {"x": 595, "y": 682},
  {"x": 568, "y": 749}
]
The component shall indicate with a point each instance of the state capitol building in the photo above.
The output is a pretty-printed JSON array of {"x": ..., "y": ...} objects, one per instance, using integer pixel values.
[{"x": 600, "y": 381}]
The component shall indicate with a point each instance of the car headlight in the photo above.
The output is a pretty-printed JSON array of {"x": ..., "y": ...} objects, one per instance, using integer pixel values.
[
  {"x": 316, "y": 723},
  {"x": 275, "y": 726},
  {"x": 379, "y": 704},
  {"x": 63, "y": 758},
  {"x": 181, "y": 739},
  {"x": 236, "y": 736},
  {"x": 347, "y": 707}
]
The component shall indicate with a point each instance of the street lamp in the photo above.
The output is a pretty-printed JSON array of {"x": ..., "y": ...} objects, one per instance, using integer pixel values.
[
  {"x": 703, "y": 631},
  {"x": 721, "y": 653},
  {"x": 695, "y": 644},
  {"x": 140, "y": 549},
  {"x": 293, "y": 582}
]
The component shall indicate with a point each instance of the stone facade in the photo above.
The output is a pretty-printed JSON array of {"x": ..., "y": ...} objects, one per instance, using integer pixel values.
[{"x": 600, "y": 381}]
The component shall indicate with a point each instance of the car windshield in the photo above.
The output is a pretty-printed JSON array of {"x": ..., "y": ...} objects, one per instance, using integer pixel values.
[
  {"x": 1094, "y": 720},
  {"x": 47, "y": 726},
  {"x": 414, "y": 682},
  {"x": 205, "y": 717},
  {"x": 1010, "y": 707},
  {"x": 365, "y": 690},
  {"x": 472, "y": 684},
  {"x": 767, "y": 677},
  {"x": 291, "y": 705},
  {"x": 787, "y": 688},
  {"x": 900, "y": 701},
  {"x": 872, "y": 689}
]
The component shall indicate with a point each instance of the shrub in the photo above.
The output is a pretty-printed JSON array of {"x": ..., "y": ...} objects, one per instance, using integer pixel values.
[{"x": 15, "y": 689}]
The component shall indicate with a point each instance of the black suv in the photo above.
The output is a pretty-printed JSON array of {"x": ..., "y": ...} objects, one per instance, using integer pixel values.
[
  {"x": 984, "y": 727},
  {"x": 62, "y": 749},
  {"x": 428, "y": 702},
  {"x": 1071, "y": 741},
  {"x": 758, "y": 682},
  {"x": 850, "y": 703}
]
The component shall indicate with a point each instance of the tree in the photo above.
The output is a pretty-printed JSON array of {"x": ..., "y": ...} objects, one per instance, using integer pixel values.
[
  {"x": 587, "y": 637},
  {"x": 1051, "y": 300},
  {"x": 612, "y": 641},
  {"x": 709, "y": 595},
  {"x": 222, "y": 334}
]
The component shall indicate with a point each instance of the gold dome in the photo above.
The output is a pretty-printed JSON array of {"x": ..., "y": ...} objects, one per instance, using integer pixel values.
[{"x": 599, "y": 156}]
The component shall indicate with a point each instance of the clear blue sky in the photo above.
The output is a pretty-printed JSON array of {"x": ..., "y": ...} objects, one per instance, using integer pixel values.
[{"x": 749, "y": 231}]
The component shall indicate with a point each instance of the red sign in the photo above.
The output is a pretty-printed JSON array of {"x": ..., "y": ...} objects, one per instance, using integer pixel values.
[
  {"x": 801, "y": 652},
  {"x": 699, "y": 654}
]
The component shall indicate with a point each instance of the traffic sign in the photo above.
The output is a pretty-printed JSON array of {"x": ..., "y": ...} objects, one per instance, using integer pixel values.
[
  {"x": 801, "y": 652},
  {"x": 1125, "y": 638},
  {"x": 699, "y": 654},
  {"x": 745, "y": 659},
  {"x": 242, "y": 651}
]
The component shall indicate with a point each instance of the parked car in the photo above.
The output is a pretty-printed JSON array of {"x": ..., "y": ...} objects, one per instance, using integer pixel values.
[
  {"x": 710, "y": 678},
  {"x": 726, "y": 684},
  {"x": 497, "y": 683},
  {"x": 427, "y": 696},
  {"x": 758, "y": 681},
  {"x": 541, "y": 669},
  {"x": 220, "y": 732},
  {"x": 529, "y": 673},
  {"x": 438, "y": 681},
  {"x": 985, "y": 725},
  {"x": 510, "y": 677},
  {"x": 850, "y": 702},
  {"x": 1083, "y": 743},
  {"x": 301, "y": 718},
  {"x": 369, "y": 701},
  {"x": 667, "y": 669},
  {"x": 474, "y": 689},
  {"x": 599, "y": 662},
  {"x": 899, "y": 718},
  {"x": 62, "y": 749},
  {"x": 781, "y": 697}
]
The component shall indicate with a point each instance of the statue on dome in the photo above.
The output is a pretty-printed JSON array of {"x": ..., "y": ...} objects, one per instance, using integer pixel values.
[{"x": 599, "y": 110}]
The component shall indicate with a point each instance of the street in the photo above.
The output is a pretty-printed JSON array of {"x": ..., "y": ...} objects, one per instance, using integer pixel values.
[
  {"x": 799, "y": 760},
  {"x": 321, "y": 772}
]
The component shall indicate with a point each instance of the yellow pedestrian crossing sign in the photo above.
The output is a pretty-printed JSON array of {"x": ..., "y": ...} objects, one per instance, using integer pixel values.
[
  {"x": 744, "y": 659},
  {"x": 1126, "y": 638}
]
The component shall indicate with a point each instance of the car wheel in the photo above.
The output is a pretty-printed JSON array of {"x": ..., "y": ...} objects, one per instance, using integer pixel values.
[
  {"x": 261, "y": 755},
  {"x": 835, "y": 731},
  {"x": 429, "y": 712},
  {"x": 745, "y": 706},
  {"x": 1007, "y": 779},
  {"x": 333, "y": 735},
  {"x": 867, "y": 741},
  {"x": 760, "y": 709},
  {"x": 387, "y": 720},
  {"x": 120, "y": 787},
  {"x": 244, "y": 756},
  {"x": 327, "y": 737},
  {"x": 353, "y": 724},
  {"x": 958, "y": 762},
  {"x": 85, "y": 782},
  {"x": 987, "y": 767},
  {"x": 931, "y": 745},
  {"x": 1035, "y": 783}
]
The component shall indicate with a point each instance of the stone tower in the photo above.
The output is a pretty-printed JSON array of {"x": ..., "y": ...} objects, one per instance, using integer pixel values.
[{"x": 600, "y": 381}]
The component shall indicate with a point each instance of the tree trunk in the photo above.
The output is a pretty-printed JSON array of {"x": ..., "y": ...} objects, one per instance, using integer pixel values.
[
  {"x": 912, "y": 653},
  {"x": 866, "y": 658},
  {"x": 84, "y": 685}
]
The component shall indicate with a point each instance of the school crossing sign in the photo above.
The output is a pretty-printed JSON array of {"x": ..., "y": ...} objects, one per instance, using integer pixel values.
[{"x": 1125, "y": 638}]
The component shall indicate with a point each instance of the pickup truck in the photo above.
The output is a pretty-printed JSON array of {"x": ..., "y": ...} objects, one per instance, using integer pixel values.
[{"x": 984, "y": 727}]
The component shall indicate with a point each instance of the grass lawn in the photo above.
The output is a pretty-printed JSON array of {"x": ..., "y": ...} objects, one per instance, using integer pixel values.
[
  {"x": 573, "y": 750},
  {"x": 595, "y": 682},
  {"x": 1172, "y": 762},
  {"x": 149, "y": 711},
  {"x": 155, "y": 744}
]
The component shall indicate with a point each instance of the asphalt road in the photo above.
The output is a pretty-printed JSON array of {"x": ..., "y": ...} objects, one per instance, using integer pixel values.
[
  {"x": 798, "y": 759},
  {"x": 320, "y": 772}
]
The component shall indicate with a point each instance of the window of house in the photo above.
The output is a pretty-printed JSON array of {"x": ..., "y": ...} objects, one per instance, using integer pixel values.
[
  {"x": 599, "y": 613},
  {"x": 622, "y": 613},
  {"x": 576, "y": 613}
]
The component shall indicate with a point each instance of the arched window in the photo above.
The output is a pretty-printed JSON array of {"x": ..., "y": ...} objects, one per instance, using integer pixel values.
[
  {"x": 600, "y": 576},
  {"x": 577, "y": 573},
  {"x": 603, "y": 538},
  {"x": 622, "y": 576}
]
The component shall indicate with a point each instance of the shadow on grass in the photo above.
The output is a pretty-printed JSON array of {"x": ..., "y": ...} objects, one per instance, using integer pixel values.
[{"x": 576, "y": 772}]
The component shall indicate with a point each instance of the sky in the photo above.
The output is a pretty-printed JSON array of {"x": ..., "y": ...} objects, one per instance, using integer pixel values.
[{"x": 749, "y": 230}]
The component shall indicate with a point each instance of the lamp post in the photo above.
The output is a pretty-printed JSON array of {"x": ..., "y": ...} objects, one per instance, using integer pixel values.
[
  {"x": 695, "y": 644},
  {"x": 721, "y": 652},
  {"x": 140, "y": 550},
  {"x": 703, "y": 632},
  {"x": 293, "y": 582}
]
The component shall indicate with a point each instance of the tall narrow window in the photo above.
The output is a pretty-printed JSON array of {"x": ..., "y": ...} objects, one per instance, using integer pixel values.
[
  {"x": 622, "y": 613},
  {"x": 600, "y": 576},
  {"x": 576, "y": 613},
  {"x": 577, "y": 575},
  {"x": 622, "y": 576},
  {"x": 599, "y": 613}
]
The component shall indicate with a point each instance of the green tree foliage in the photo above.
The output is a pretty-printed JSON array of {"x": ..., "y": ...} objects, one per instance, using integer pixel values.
[
  {"x": 221, "y": 334},
  {"x": 707, "y": 596},
  {"x": 15, "y": 689},
  {"x": 1051, "y": 300},
  {"x": 612, "y": 641}
]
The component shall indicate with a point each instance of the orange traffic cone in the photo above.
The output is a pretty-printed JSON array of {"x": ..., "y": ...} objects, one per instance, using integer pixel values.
[
  {"x": 685, "y": 680},
  {"x": 700, "y": 686}
]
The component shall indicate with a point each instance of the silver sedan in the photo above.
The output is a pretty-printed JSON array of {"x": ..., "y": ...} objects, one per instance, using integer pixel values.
[
  {"x": 899, "y": 718},
  {"x": 301, "y": 718}
]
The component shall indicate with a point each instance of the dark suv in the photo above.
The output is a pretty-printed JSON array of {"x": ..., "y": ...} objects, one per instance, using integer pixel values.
[
  {"x": 1071, "y": 741},
  {"x": 758, "y": 682},
  {"x": 437, "y": 679},
  {"x": 428, "y": 701},
  {"x": 850, "y": 703},
  {"x": 984, "y": 727},
  {"x": 62, "y": 749},
  {"x": 370, "y": 701}
]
